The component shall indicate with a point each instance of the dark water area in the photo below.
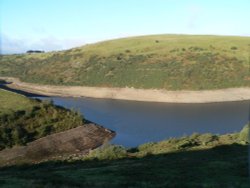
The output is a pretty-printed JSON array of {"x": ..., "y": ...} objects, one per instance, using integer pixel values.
[{"x": 140, "y": 122}]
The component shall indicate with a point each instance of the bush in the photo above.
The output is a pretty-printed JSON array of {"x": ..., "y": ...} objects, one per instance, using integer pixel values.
[
  {"x": 146, "y": 146},
  {"x": 186, "y": 143},
  {"x": 244, "y": 134},
  {"x": 234, "y": 48},
  {"x": 206, "y": 139},
  {"x": 195, "y": 48},
  {"x": 107, "y": 152}
]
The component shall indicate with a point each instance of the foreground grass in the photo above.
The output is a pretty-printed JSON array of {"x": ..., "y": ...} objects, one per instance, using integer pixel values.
[
  {"x": 194, "y": 161},
  {"x": 171, "y": 62},
  {"x": 223, "y": 166}
]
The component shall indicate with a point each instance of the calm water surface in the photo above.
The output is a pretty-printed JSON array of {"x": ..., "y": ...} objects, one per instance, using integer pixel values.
[{"x": 139, "y": 122}]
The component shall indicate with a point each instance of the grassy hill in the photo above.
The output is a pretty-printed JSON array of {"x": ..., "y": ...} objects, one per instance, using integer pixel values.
[
  {"x": 23, "y": 120},
  {"x": 171, "y": 62},
  {"x": 195, "y": 161},
  {"x": 11, "y": 102}
]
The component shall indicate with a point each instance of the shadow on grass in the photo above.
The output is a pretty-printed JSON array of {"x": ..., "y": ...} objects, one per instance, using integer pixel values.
[
  {"x": 3, "y": 85},
  {"x": 222, "y": 166}
]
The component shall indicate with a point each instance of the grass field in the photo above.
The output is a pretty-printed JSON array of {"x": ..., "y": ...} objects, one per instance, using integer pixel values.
[
  {"x": 11, "y": 102},
  {"x": 207, "y": 160},
  {"x": 172, "y": 62}
]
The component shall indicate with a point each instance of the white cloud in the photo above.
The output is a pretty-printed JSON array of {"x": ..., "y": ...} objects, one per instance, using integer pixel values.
[
  {"x": 194, "y": 11},
  {"x": 11, "y": 45}
]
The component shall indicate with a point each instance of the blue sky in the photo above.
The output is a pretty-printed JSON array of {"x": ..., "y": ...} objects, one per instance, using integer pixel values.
[{"x": 61, "y": 24}]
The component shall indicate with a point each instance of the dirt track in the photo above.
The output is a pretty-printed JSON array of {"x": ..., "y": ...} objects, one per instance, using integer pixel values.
[{"x": 150, "y": 95}]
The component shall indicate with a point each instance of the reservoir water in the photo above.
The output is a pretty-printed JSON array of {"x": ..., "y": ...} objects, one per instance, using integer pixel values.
[{"x": 140, "y": 122}]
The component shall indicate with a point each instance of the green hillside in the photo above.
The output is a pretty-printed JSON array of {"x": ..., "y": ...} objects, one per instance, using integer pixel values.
[
  {"x": 11, "y": 102},
  {"x": 23, "y": 120},
  {"x": 172, "y": 62}
]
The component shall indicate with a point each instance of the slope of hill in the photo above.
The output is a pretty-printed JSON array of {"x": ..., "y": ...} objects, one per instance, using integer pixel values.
[
  {"x": 23, "y": 120},
  {"x": 33, "y": 130},
  {"x": 14, "y": 102},
  {"x": 172, "y": 62}
]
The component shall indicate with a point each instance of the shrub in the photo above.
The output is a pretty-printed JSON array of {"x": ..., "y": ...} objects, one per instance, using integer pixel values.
[
  {"x": 119, "y": 58},
  {"x": 146, "y": 146},
  {"x": 234, "y": 48},
  {"x": 194, "y": 136},
  {"x": 244, "y": 134},
  {"x": 195, "y": 48},
  {"x": 186, "y": 143},
  {"x": 206, "y": 139},
  {"x": 19, "y": 135},
  {"x": 107, "y": 152}
]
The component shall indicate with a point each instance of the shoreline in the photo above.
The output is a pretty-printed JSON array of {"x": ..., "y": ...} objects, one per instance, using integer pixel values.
[{"x": 145, "y": 95}]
